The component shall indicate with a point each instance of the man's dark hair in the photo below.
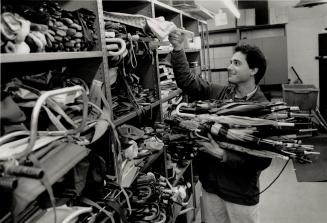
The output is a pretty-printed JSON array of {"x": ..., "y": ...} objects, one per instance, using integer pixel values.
[{"x": 254, "y": 58}]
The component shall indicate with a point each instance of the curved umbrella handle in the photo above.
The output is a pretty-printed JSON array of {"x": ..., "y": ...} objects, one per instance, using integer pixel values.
[
  {"x": 181, "y": 113},
  {"x": 38, "y": 105},
  {"x": 122, "y": 46}
]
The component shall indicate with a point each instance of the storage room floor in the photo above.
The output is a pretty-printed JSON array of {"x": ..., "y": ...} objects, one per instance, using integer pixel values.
[{"x": 290, "y": 201}]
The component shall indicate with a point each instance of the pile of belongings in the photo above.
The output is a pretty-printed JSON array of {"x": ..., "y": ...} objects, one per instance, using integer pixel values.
[
  {"x": 153, "y": 198},
  {"x": 266, "y": 129},
  {"x": 127, "y": 47},
  {"x": 46, "y": 27},
  {"x": 44, "y": 135}
]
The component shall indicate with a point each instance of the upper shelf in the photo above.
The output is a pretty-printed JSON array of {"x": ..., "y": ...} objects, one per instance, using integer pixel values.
[
  {"x": 140, "y": 7},
  {"x": 33, "y": 57},
  {"x": 223, "y": 44},
  {"x": 266, "y": 26},
  {"x": 185, "y": 50},
  {"x": 256, "y": 27},
  {"x": 162, "y": 6}
]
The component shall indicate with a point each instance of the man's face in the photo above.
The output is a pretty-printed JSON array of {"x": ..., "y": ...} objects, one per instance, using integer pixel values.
[{"x": 238, "y": 70}]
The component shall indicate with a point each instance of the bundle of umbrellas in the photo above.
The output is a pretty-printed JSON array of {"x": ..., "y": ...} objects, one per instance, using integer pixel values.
[{"x": 267, "y": 129}]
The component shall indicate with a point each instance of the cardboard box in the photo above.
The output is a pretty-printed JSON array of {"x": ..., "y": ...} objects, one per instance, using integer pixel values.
[
  {"x": 247, "y": 17},
  {"x": 250, "y": 17},
  {"x": 278, "y": 15}
]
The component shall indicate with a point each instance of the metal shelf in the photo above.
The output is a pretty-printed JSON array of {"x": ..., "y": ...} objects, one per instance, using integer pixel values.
[
  {"x": 185, "y": 50},
  {"x": 267, "y": 26},
  {"x": 171, "y": 95},
  {"x": 163, "y": 51},
  {"x": 133, "y": 114},
  {"x": 223, "y": 44},
  {"x": 35, "y": 57},
  {"x": 192, "y": 50},
  {"x": 165, "y": 7},
  {"x": 180, "y": 174},
  {"x": 151, "y": 159},
  {"x": 242, "y": 28},
  {"x": 218, "y": 69}
]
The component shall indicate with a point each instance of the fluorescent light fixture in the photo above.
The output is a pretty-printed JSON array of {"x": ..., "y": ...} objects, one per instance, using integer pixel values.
[
  {"x": 309, "y": 3},
  {"x": 231, "y": 6}
]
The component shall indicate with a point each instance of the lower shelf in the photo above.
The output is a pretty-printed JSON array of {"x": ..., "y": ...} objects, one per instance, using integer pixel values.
[
  {"x": 134, "y": 171},
  {"x": 181, "y": 173},
  {"x": 193, "y": 202},
  {"x": 171, "y": 95}
]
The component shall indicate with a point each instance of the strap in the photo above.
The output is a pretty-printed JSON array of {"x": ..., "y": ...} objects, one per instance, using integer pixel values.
[
  {"x": 113, "y": 127},
  {"x": 77, "y": 213},
  {"x": 54, "y": 119},
  {"x": 127, "y": 197},
  {"x": 93, "y": 204},
  {"x": 45, "y": 181},
  {"x": 114, "y": 205}
]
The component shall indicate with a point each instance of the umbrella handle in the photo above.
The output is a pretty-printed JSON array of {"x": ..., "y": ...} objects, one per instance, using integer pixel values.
[
  {"x": 285, "y": 124},
  {"x": 37, "y": 108},
  {"x": 181, "y": 113}
]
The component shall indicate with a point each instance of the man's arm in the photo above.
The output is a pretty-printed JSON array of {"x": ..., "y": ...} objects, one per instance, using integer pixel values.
[
  {"x": 234, "y": 159},
  {"x": 192, "y": 85}
]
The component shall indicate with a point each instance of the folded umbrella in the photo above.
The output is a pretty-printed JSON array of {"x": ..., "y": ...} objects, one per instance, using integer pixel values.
[{"x": 232, "y": 120}]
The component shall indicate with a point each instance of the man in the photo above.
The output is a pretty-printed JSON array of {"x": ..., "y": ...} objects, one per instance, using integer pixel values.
[{"x": 230, "y": 180}]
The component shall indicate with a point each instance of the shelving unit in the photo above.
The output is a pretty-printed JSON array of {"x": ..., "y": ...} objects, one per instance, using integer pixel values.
[
  {"x": 182, "y": 20},
  {"x": 95, "y": 64},
  {"x": 83, "y": 64}
]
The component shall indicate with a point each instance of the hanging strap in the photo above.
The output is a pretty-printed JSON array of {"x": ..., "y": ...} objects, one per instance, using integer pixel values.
[
  {"x": 77, "y": 213},
  {"x": 106, "y": 114},
  {"x": 54, "y": 119},
  {"x": 93, "y": 204},
  {"x": 46, "y": 183}
]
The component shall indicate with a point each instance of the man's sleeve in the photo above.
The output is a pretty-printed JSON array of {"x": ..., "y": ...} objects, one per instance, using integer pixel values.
[{"x": 192, "y": 85}]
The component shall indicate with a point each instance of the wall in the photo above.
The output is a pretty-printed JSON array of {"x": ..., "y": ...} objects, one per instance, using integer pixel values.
[
  {"x": 302, "y": 30},
  {"x": 302, "y": 27}
]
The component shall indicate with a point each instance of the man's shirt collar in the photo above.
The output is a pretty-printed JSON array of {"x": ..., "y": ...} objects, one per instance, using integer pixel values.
[{"x": 248, "y": 96}]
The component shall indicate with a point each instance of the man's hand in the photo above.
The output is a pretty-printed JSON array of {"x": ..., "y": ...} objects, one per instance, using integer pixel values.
[
  {"x": 213, "y": 148},
  {"x": 176, "y": 38}
]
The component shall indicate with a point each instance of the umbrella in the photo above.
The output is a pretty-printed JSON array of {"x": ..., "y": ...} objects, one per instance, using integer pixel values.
[{"x": 232, "y": 120}]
